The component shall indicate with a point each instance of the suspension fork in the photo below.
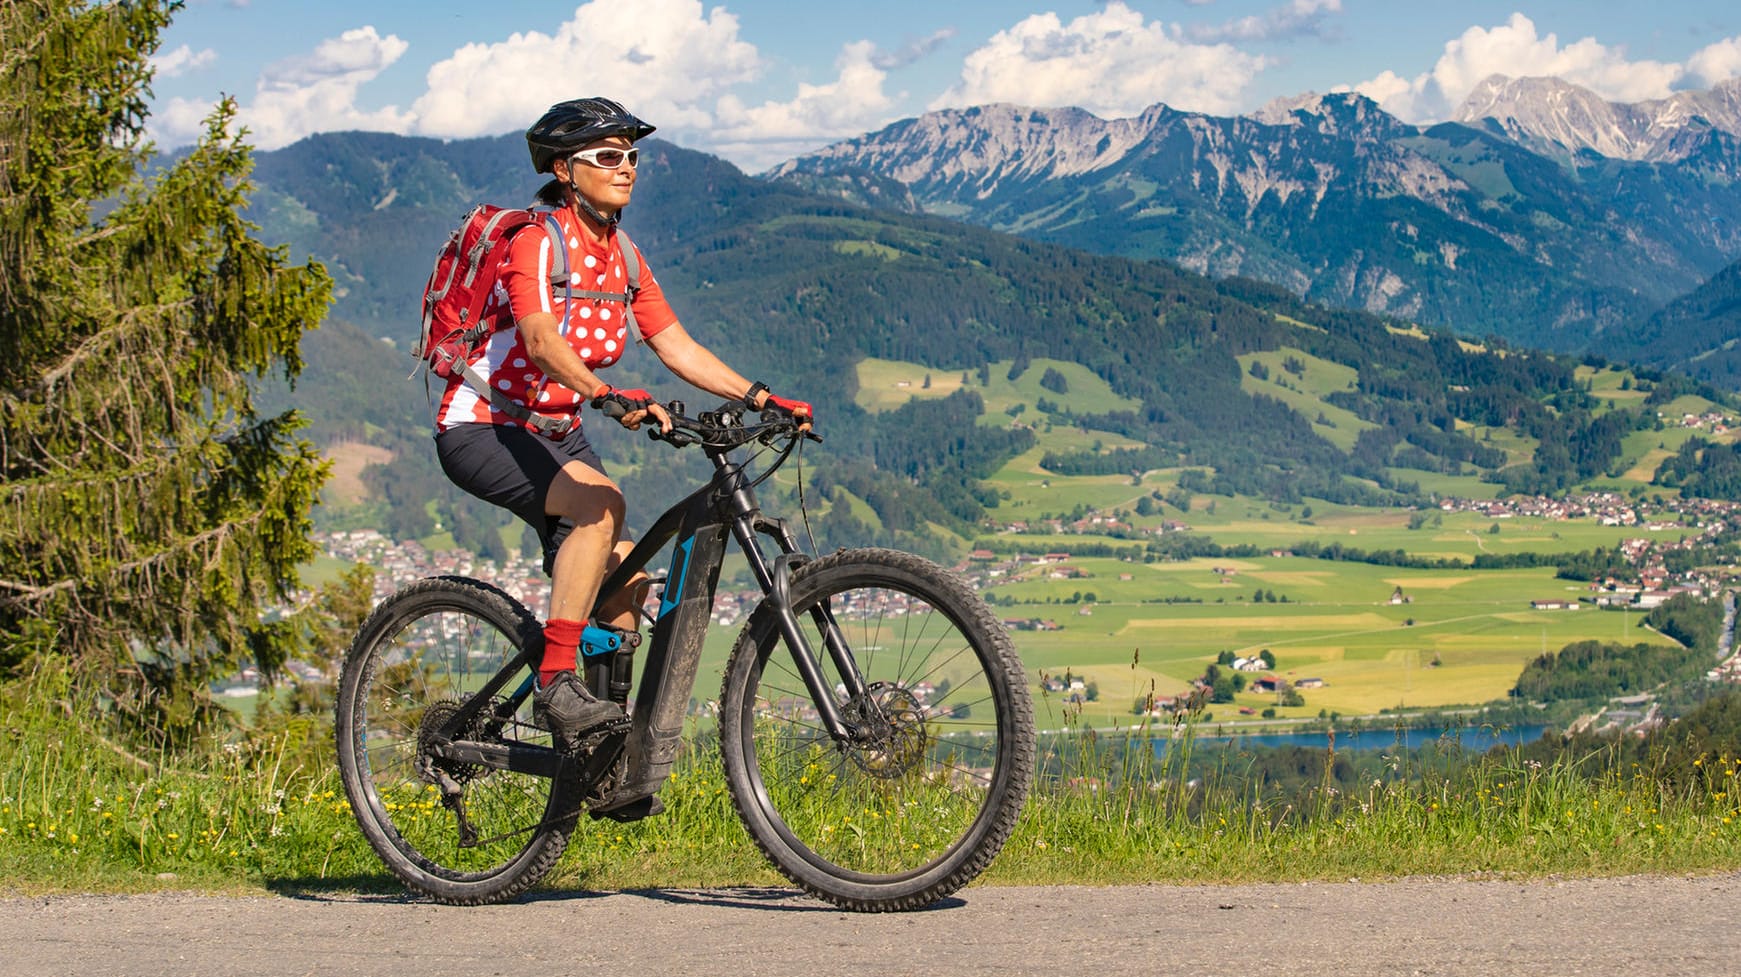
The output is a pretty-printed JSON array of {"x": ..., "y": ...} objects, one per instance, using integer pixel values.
[
  {"x": 775, "y": 580},
  {"x": 822, "y": 613}
]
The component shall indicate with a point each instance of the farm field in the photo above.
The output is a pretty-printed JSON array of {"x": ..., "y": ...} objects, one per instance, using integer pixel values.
[
  {"x": 1456, "y": 637},
  {"x": 1453, "y": 638}
]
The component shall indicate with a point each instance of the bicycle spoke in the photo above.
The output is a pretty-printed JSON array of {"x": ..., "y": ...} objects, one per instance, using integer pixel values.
[
  {"x": 916, "y": 777},
  {"x": 463, "y": 832}
]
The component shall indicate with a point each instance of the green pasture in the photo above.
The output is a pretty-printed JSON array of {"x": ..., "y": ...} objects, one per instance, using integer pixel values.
[
  {"x": 1033, "y": 492},
  {"x": 1519, "y": 448},
  {"x": 1442, "y": 535},
  {"x": 1305, "y": 392},
  {"x": 1443, "y": 485},
  {"x": 1605, "y": 384},
  {"x": 887, "y": 384},
  {"x": 1674, "y": 410},
  {"x": 1454, "y": 638}
]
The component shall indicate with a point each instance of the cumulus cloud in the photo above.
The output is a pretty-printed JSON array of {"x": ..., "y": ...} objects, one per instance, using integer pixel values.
[
  {"x": 1112, "y": 63},
  {"x": 1516, "y": 49},
  {"x": 1292, "y": 19},
  {"x": 182, "y": 60},
  {"x": 298, "y": 96},
  {"x": 1716, "y": 62},
  {"x": 667, "y": 60},
  {"x": 761, "y": 136},
  {"x": 317, "y": 92}
]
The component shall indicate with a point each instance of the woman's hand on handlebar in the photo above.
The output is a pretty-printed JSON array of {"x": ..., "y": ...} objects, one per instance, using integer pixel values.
[
  {"x": 798, "y": 410},
  {"x": 631, "y": 407}
]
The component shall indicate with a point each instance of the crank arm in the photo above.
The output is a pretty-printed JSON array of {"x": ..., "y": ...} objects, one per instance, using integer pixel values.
[{"x": 540, "y": 761}]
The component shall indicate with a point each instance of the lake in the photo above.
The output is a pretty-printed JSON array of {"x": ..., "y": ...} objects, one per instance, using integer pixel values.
[{"x": 1472, "y": 738}]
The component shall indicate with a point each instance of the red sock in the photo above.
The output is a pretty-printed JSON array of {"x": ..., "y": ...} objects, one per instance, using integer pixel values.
[{"x": 561, "y": 641}]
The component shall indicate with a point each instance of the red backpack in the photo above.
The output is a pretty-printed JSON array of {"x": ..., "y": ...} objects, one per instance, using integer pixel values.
[{"x": 454, "y": 329}]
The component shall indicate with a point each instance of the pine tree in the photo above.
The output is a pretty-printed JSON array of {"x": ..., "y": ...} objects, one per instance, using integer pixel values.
[{"x": 150, "y": 514}]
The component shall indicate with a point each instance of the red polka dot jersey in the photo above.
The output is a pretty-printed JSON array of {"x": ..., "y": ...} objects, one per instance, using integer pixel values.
[{"x": 597, "y": 330}]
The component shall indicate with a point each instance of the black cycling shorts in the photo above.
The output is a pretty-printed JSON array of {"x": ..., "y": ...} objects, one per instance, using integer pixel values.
[{"x": 513, "y": 468}]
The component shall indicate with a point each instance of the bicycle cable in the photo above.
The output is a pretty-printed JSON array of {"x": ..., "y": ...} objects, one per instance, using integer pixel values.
[{"x": 803, "y": 506}]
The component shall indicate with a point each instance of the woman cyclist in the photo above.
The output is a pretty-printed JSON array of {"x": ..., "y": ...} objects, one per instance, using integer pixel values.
[{"x": 545, "y": 355}]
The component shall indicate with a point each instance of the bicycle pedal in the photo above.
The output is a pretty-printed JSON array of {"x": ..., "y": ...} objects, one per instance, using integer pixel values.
[
  {"x": 635, "y": 810},
  {"x": 595, "y": 737}
]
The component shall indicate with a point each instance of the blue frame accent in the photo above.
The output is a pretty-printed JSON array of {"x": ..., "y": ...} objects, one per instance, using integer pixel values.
[{"x": 673, "y": 594}]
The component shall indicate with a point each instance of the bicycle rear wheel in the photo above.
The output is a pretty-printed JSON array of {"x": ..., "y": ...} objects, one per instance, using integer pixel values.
[
  {"x": 928, "y": 791},
  {"x": 426, "y": 650}
]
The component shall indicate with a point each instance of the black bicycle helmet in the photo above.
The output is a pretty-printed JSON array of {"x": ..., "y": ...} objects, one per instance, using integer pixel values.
[{"x": 570, "y": 125}]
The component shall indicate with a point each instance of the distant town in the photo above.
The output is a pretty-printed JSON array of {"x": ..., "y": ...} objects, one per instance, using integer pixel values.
[{"x": 1646, "y": 583}]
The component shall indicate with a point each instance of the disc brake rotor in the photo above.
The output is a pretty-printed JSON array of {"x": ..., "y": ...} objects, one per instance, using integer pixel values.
[{"x": 892, "y": 737}]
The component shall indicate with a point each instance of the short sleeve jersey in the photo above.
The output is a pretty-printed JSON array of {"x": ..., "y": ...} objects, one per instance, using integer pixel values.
[{"x": 597, "y": 329}]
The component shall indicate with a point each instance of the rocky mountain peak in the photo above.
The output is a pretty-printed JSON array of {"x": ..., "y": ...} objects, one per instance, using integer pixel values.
[
  {"x": 988, "y": 143},
  {"x": 1337, "y": 114},
  {"x": 1554, "y": 116}
]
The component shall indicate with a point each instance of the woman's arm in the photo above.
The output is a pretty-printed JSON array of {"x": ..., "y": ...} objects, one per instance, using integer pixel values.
[{"x": 696, "y": 365}]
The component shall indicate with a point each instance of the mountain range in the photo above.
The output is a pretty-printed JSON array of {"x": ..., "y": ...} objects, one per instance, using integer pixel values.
[
  {"x": 1509, "y": 224},
  {"x": 1557, "y": 118},
  {"x": 1235, "y": 385}
]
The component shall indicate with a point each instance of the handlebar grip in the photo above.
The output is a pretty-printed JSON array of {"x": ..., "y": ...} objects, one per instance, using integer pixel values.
[{"x": 613, "y": 410}]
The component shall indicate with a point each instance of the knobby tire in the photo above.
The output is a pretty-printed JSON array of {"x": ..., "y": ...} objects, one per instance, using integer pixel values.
[
  {"x": 429, "y": 646},
  {"x": 921, "y": 804}
]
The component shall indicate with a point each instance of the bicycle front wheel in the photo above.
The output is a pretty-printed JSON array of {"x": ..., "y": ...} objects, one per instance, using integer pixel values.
[
  {"x": 422, "y": 654},
  {"x": 925, "y": 793}
]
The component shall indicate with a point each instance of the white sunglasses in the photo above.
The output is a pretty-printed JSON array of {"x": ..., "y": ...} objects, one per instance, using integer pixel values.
[{"x": 608, "y": 157}]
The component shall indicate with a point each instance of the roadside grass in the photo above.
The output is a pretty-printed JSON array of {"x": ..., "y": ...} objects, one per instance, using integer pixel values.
[
  {"x": 1142, "y": 812},
  {"x": 80, "y": 812}
]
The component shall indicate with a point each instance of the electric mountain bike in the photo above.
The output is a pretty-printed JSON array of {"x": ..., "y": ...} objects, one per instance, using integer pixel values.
[{"x": 874, "y": 722}]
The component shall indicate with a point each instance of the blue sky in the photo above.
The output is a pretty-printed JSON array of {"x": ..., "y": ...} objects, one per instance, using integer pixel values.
[{"x": 761, "y": 81}]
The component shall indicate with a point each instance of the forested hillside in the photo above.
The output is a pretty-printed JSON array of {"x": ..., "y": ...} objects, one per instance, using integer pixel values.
[
  {"x": 1697, "y": 333},
  {"x": 799, "y": 288}
]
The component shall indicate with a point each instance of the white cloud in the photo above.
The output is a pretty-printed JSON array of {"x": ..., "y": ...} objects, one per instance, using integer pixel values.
[
  {"x": 317, "y": 92},
  {"x": 668, "y": 61},
  {"x": 299, "y": 96},
  {"x": 1516, "y": 49},
  {"x": 181, "y": 61},
  {"x": 1291, "y": 19},
  {"x": 761, "y": 136},
  {"x": 1112, "y": 63},
  {"x": 1716, "y": 62}
]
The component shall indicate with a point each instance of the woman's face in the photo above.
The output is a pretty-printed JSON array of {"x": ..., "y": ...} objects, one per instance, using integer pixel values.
[{"x": 607, "y": 190}]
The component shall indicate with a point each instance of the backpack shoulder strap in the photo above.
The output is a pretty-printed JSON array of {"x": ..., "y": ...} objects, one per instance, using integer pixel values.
[
  {"x": 632, "y": 269},
  {"x": 559, "y": 273}
]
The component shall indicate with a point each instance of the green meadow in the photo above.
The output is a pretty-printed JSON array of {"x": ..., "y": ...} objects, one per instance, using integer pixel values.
[
  {"x": 1450, "y": 638},
  {"x": 1377, "y": 638}
]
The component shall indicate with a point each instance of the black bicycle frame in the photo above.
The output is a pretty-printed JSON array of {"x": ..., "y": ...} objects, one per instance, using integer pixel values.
[{"x": 697, "y": 528}]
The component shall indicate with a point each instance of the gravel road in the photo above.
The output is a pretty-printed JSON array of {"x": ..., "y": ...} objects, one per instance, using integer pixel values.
[{"x": 1635, "y": 926}]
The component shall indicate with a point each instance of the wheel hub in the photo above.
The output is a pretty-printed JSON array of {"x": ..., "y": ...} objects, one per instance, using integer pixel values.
[
  {"x": 429, "y": 737},
  {"x": 892, "y": 737}
]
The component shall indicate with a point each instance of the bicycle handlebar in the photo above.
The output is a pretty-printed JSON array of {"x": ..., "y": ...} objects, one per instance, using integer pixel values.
[{"x": 723, "y": 429}]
